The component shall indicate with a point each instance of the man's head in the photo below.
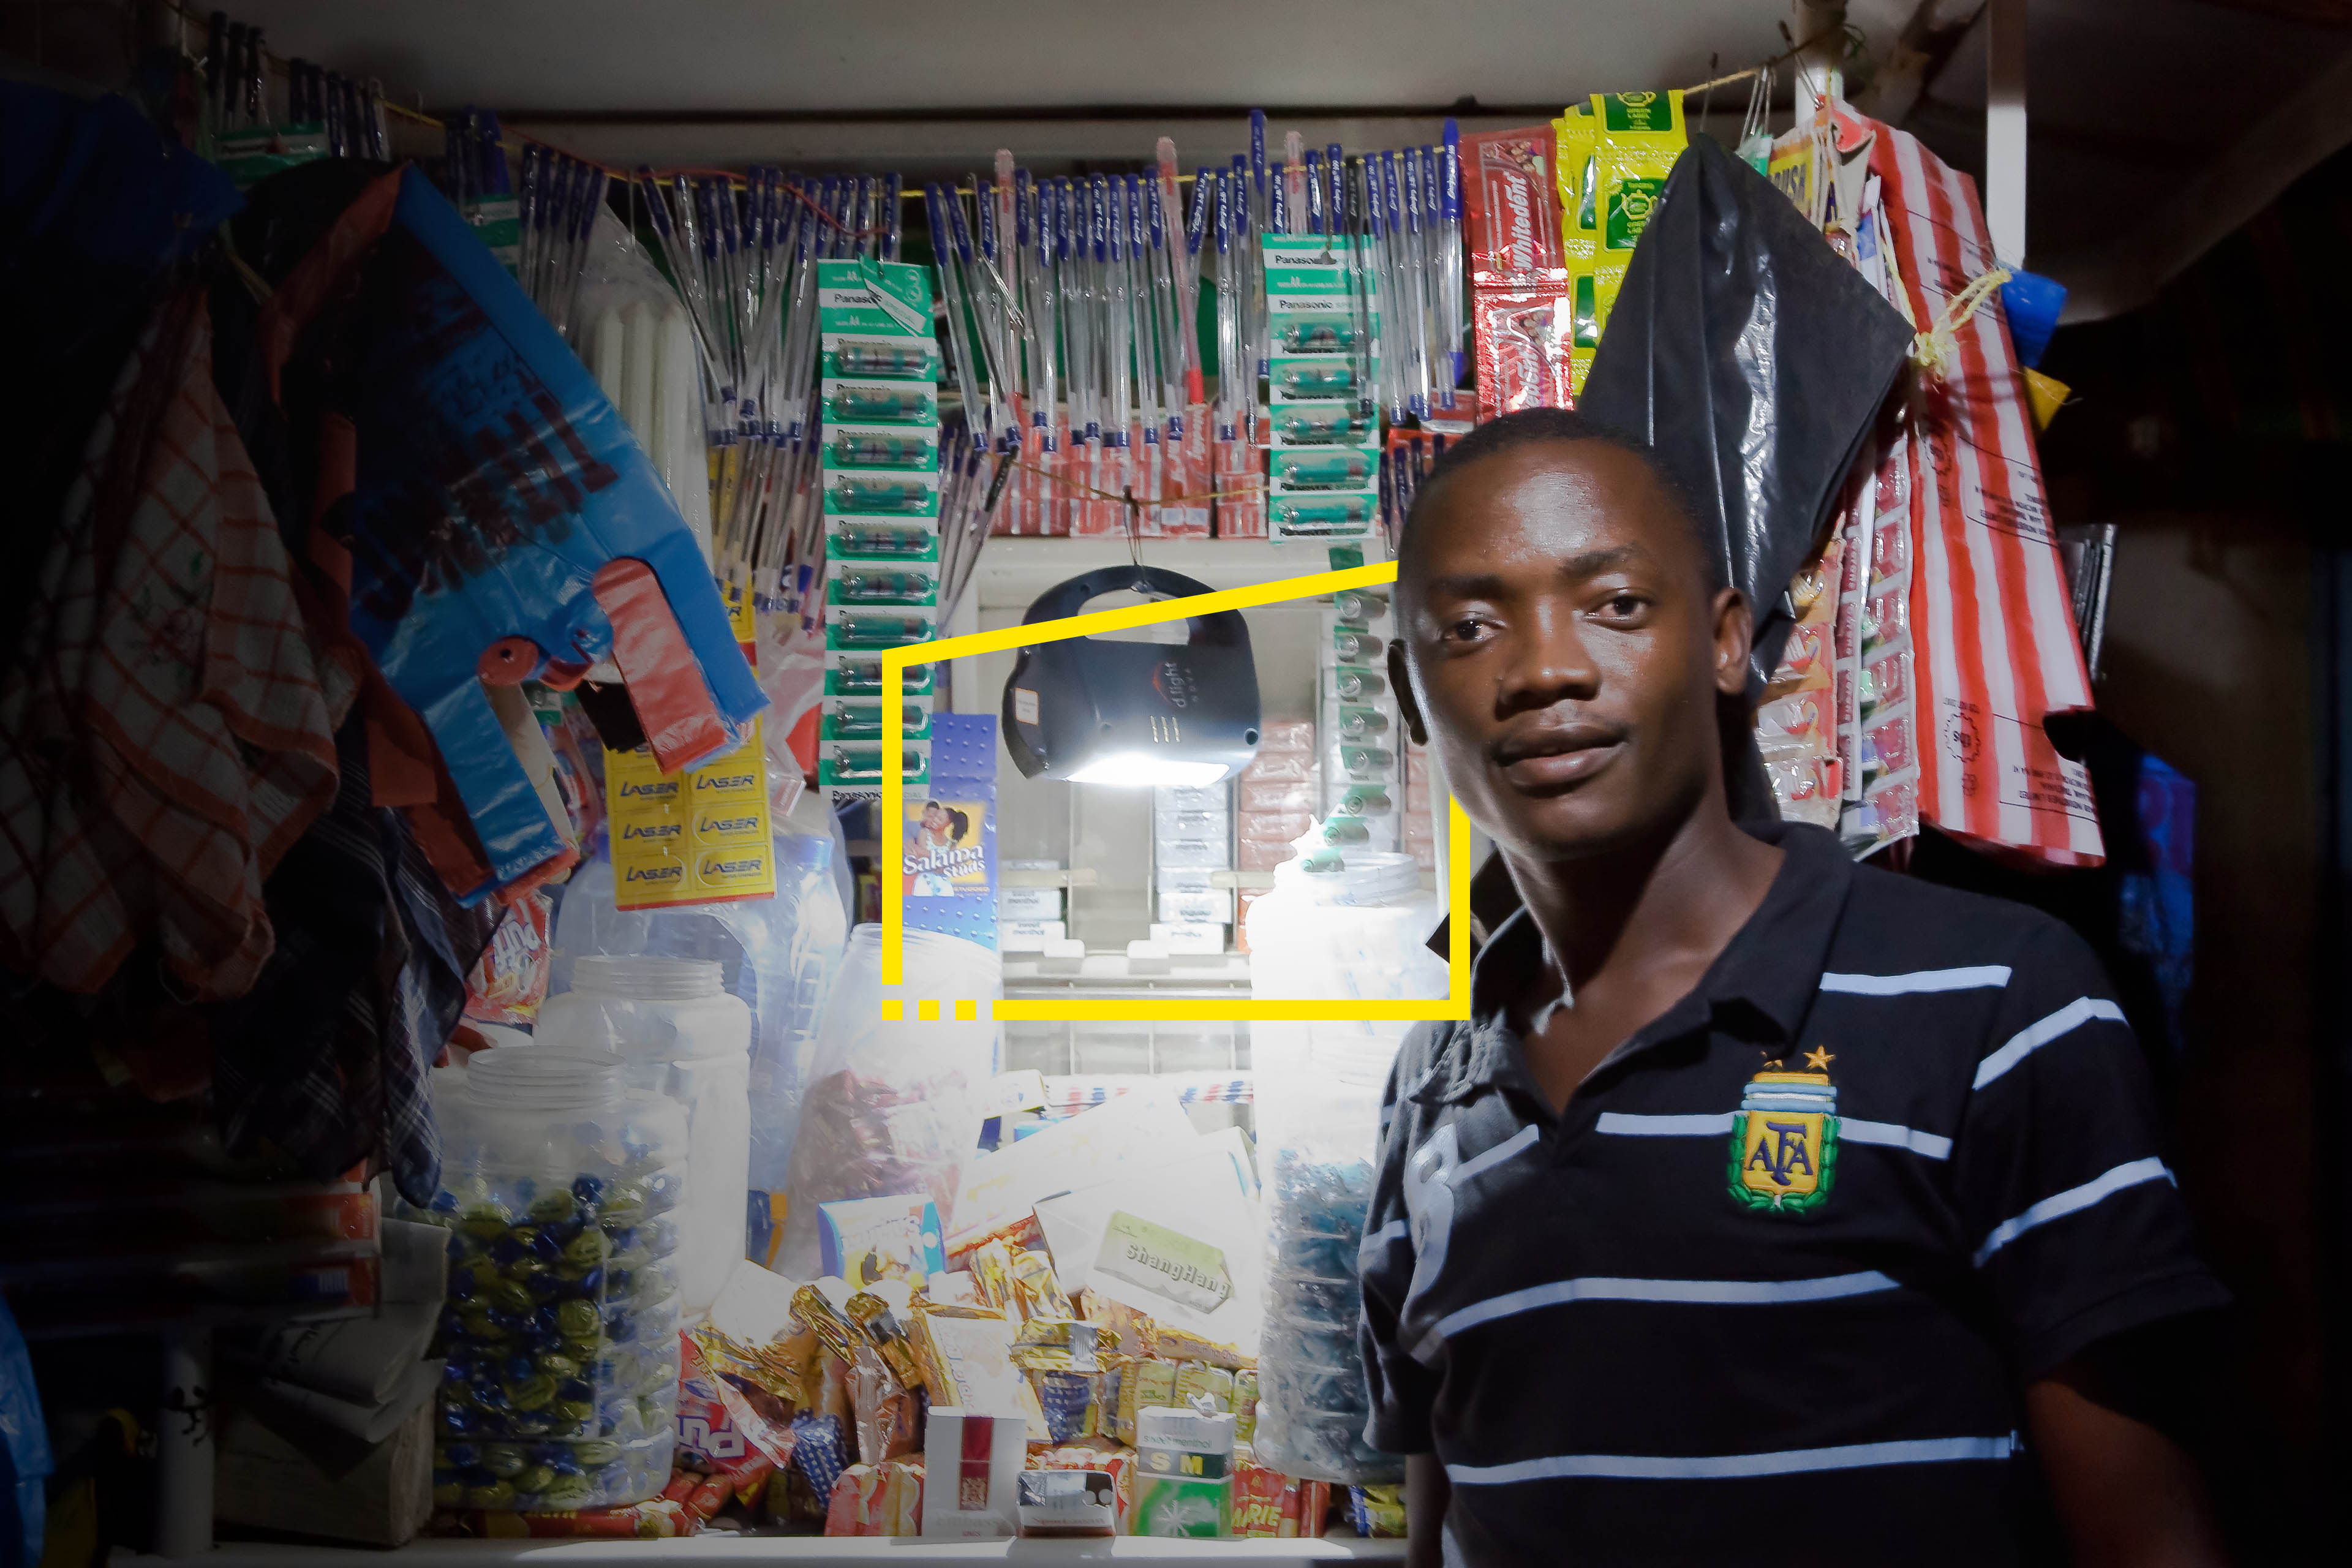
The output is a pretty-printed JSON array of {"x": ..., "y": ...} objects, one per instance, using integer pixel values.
[{"x": 1565, "y": 635}]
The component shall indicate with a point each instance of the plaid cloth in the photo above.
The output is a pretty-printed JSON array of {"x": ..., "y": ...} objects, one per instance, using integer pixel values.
[
  {"x": 163, "y": 737},
  {"x": 327, "y": 1057}
]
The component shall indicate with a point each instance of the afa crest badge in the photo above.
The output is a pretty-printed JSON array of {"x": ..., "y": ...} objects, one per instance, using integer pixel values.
[{"x": 1784, "y": 1139}]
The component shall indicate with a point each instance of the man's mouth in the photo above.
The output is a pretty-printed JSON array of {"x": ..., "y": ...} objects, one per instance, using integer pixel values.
[{"x": 1557, "y": 756}]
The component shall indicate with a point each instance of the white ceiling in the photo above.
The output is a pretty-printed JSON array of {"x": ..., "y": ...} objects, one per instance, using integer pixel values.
[{"x": 745, "y": 57}]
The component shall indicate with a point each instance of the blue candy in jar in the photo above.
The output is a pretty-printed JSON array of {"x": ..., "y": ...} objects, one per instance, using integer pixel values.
[
  {"x": 445, "y": 1202},
  {"x": 545, "y": 1248},
  {"x": 587, "y": 1189}
]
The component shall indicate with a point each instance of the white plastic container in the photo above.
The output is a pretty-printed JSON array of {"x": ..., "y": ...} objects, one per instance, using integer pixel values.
[
  {"x": 778, "y": 954},
  {"x": 558, "y": 1181},
  {"x": 678, "y": 1033},
  {"x": 1348, "y": 927}
]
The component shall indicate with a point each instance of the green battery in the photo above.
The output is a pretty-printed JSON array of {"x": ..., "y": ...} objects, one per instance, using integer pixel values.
[
  {"x": 880, "y": 406},
  {"x": 863, "y": 495}
]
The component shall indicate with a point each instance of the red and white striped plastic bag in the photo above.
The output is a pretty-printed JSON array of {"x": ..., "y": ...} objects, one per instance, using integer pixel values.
[{"x": 1996, "y": 648}]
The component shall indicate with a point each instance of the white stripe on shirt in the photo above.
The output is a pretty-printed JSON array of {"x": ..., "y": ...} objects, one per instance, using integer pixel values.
[
  {"x": 2058, "y": 1205},
  {"x": 1660, "y": 1466},
  {"x": 1625, "y": 1124},
  {"x": 1853, "y": 1130},
  {"x": 2035, "y": 1035},
  {"x": 1699, "y": 1292},
  {"x": 1523, "y": 1138},
  {"x": 1710, "y": 1124},
  {"x": 1980, "y": 977}
]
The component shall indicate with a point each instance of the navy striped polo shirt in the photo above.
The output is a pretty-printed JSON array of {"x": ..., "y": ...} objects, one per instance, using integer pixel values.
[{"x": 1769, "y": 1290}]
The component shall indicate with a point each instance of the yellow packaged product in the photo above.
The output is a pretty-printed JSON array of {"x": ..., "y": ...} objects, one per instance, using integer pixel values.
[
  {"x": 991, "y": 1278},
  {"x": 1572, "y": 135},
  {"x": 1036, "y": 1289},
  {"x": 1637, "y": 136},
  {"x": 1245, "y": 1405},
  {"x": 1195, "y": 1378}
]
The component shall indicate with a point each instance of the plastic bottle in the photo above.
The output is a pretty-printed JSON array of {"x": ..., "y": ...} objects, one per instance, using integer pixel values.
[
  {"x": 778, "y": 955},
  {"x": 560, "y": 1324},
  {"x": 676, "y": 1033},
  {"x": 1350, "y": 926}
]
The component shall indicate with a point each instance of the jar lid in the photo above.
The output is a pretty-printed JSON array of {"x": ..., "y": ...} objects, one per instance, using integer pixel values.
[
  {"x": 648, "y": 979},
  {"x": 543, "y": 1078}
]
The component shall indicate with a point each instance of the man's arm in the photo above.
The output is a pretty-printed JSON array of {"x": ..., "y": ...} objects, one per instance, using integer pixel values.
[
  {"x": 2129, "y": 1495},
  {"x": 1426, "y": 1493}
]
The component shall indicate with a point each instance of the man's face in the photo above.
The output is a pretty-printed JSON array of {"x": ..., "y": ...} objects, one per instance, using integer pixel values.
[{"x": 1561, "y": 650}]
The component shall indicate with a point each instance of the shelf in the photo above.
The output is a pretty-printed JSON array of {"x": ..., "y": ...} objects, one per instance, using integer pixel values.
[
  {"x": 718, "y": 1547},
  {"x": 1013, "y": 571}
]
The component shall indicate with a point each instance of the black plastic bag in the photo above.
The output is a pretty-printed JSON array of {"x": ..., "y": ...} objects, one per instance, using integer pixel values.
[{"x": 1752, "y": 359}]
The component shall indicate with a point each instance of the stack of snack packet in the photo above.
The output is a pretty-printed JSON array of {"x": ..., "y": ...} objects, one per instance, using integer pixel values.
[
  {"x": 1518, "y": 288},
  {"x": 881, "y": 478},
  {"x": 1362, "y": 736},
  {"x": 1323, "y": 317},
  {"x": 1612, "y": 157},
  {"x": 1798, "y": 726},
  {"x": 1192, "y": 842}
]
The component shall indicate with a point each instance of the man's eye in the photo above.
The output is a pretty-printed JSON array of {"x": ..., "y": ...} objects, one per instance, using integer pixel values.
[
  {"x": 1467, "y": 630},
  {"x": 1624, "y": 606}
]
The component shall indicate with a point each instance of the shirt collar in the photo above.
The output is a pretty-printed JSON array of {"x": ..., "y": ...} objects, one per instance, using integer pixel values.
[{"x": 1772, "y": 965}]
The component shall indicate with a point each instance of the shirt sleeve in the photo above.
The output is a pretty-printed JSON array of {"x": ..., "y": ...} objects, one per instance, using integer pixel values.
[
  {"x": 1401, "y": 1390},
  {"x": 2072, "y": 1218}
]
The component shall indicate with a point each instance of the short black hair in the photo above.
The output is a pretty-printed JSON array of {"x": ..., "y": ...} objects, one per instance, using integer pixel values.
[{"x": 1534, "y": 427}]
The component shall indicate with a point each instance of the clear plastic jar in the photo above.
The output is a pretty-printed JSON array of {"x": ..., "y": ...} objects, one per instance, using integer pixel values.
[
  {"x": 1343, "y": 927},
  {"x": 561, "y": 1325},
  {"x": 678, "y": 1033}
]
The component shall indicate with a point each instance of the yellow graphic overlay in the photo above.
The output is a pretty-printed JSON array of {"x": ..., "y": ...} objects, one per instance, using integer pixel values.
[{"x": 1320, "y": 585}]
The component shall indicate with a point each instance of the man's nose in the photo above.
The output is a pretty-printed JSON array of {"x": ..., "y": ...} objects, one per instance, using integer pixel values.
[{"x": 1552, "y": 663}]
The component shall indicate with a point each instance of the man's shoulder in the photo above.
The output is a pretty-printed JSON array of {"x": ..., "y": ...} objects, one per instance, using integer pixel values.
[{"x": 1891, "y": 919}]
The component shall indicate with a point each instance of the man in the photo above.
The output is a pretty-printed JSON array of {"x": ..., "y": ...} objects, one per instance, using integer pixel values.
[{"x": 1770, "y": 1209}]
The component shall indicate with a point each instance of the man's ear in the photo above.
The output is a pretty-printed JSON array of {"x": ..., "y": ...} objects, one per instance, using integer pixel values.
[
  {"x": 1401, "y": 682},
  {"x": 1735, "y": 633}
]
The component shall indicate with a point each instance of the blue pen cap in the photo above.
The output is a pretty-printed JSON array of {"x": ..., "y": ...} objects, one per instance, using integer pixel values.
[
  {"x": 1277, "y": 220},
  {"x": 1412, "y": 192},
  {"x": 1432, "y": 210},
  {"x": 984, "y": 204},
  {"x": 1115, "y": 188},
  {"x": 1313, "y": 192},
  {"x": 1224, "y": 199},
  {"x": 1136, "y": 221},
  {"x": 1065, "y": 218},
  {"x": 1099, "y": 215},
  {"x": 893, "y": 219},
  {"x": 1196, "y": 222},
  {"x": 1449, "y": 174},
  {"x": 1155, "y": 217},
  {"x": 1021, "y": 201},
  {"x": 958, "y": 227},
  {"x": 1335, "y": 160},
  {"x": 1392, "y": 194},
  {"x": 1257, "y": 149}
]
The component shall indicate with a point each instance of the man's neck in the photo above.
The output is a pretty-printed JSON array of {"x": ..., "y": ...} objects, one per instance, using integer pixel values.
[{"x": 1683, "y": 893}]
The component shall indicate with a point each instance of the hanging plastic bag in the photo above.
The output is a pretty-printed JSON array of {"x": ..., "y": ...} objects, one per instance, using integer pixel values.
[
  {"x": 504, "y": 525},
  {"x": 1752, "y": 359},
  {"x": 890, "y": 1107}
]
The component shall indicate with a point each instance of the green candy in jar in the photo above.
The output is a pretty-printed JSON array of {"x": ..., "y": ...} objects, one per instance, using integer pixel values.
[
  {"x": 587, "y": 1249},
  {"x": 497, "y": 1494},
  {"x": 532, "y": 1393},
  {"x": 558, "y": 1366},
  {"x": 554, "y": 1207},
  {"x": 503, "y": 1460},
  {"x": 479, "y": 1325},
  {"x": 578, "y": 1320},
  {"x": 578, "y": 1412},
  {"x": 596, "y": 1451},
  {"x": 448, "y": 1494},
  {"x": 623, "y": 1205},
  {"x": 511, "y": 1294},
  {"x": 485, "y": 1222},
  {"x": 536, "y": 1480},
  {"x": 568, "y": 1491}
]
